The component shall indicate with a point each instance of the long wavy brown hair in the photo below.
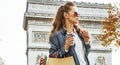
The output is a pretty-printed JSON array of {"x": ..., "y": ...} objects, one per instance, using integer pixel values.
[{"x": 59, "y": 21}]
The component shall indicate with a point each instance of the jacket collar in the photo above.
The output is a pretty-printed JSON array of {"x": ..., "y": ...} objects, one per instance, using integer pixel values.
[{"x": 64, "y": 31}]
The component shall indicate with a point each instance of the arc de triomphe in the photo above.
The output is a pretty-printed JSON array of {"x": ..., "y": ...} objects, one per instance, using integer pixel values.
[{"x": 37, "y": 24}]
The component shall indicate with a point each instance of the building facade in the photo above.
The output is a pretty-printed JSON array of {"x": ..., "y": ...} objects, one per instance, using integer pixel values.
[{"x": 38, "y": 24}]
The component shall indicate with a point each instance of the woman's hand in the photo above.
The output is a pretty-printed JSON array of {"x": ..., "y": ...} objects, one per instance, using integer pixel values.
[
  {"x": 85, "y": 36},
  {"x": 68, "y": 42}
]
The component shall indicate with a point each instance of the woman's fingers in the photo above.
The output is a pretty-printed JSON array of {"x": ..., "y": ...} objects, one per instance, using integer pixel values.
[
  {"x": 69, "y": 40},
  {"x": 85, "y": 35}
]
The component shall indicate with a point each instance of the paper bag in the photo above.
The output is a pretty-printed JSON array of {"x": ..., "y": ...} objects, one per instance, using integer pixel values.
[{"x": 61, "y": 61}]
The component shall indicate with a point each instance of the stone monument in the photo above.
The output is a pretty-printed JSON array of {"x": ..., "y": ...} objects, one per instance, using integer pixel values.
[{"x": 38, "y": 24}]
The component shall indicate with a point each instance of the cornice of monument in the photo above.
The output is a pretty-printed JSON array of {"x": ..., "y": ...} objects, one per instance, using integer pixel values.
[
  {"x": 46, "y": 15},
  {"x": 79, "y": 4},
  {"x": 35, "y": 16},
  {"x": 51, "y": 16}
]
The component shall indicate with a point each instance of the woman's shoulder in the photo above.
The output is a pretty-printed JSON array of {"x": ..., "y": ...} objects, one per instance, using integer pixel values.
[{"x": 57, "y": 33}]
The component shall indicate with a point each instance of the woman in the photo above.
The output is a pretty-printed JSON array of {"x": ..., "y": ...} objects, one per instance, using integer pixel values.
[{"x": 64, "y": 45}]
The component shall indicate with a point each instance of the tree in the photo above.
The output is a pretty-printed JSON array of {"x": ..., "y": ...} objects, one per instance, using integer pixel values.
[
  {"x": 1, "y": 61},
  {"x": 111, "y": 27}
]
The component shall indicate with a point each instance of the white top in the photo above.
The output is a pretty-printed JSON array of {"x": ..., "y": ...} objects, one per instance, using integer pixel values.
[{"x": 79, "y": 49}]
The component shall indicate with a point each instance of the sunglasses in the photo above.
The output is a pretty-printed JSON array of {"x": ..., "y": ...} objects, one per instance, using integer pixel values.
[{"x": 76, "y": 14}]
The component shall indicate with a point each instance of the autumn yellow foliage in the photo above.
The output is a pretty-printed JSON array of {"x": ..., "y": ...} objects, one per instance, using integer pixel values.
[{"x": 111, "y": 27}]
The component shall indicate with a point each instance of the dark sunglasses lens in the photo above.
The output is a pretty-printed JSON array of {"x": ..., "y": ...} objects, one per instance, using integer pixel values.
[{"x": 75, "y": 14}]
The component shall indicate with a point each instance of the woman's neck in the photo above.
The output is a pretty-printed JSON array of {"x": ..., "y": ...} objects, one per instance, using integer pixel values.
[{"x": 69, "y": 28}]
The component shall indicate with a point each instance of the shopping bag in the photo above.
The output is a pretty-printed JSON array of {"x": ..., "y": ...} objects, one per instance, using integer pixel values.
[{"x": 61, "y": 61}]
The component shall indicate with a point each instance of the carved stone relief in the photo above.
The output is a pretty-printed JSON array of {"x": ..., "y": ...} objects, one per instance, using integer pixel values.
[
  {"x": 98, "y": 57},
  {"x": 37, "y": 8},
  {"x": 92, "y": 12},
  {"x": 90, "y": 24},
  {"x": 41, "y": 57},
  {"x": 40, "y": 22},
  {"x": 86, "y": 13},
  {"x": 100, "y": 60},
  {"x": 96, "y": 24},
  {"x": 40, "y": 36},
  {"x": 85, "y": 24},
  {"x": 37, "y": 60},
  {"x": 34, "y": 56},
  {"x": 94, "y": 39}
]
